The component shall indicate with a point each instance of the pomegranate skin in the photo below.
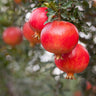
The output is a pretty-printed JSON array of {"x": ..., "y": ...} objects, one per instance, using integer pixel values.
[
  {"x": 59, "y": 37},
  {"x": 29, "y": 34},
  {"x": 74, "y": 62},
  {"x": 38, "y": 18},
  {"x": 12, "y": 36}
]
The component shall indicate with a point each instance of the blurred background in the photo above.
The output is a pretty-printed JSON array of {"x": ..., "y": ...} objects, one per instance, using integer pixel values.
[{"x": 27, "y": 71}]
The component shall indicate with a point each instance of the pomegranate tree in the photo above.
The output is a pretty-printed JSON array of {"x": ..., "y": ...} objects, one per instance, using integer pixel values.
[
  {"x": 59, "y": 37},
  {"x": 74, "y": 62},
  {"x": 12, "y": 36},
  {"x": 37, "y": 20},
  {"x": 29, "y": 34}
]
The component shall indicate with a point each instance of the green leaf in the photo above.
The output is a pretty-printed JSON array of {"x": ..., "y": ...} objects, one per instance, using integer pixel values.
[{"x": 66, "y": 5}]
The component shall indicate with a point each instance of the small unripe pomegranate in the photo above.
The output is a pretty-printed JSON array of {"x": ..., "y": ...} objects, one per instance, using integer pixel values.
[
  {"x": 74, "y": 62},
  {"x": 29, "y": 34},
  {"x": 37, "y": 19},
  {"x": 12, "y": 36},
  {"x": 59, "y": 37},
  {"x": 88, "y": 86}
]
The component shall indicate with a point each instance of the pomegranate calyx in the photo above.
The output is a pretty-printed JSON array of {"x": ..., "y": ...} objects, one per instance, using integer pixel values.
[
  {"x": 58, "y": 57},
  {"x": 36, "y": 35},
  {"x": 70, "y": 75}
]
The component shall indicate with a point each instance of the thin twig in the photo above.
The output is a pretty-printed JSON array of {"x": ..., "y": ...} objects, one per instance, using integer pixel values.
[{"x": 59, "y": 12}]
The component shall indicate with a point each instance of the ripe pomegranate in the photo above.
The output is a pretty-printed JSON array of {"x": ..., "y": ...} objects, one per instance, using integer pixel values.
[
  {"x": 12, "y": 36},
  {"x": 29, "y": 34},
  {"x": 88, "y": 86},
  {"x": 59, "y": 37},
  {"x": 37, "y": 20},
  {"x": 74, "y": 62}
]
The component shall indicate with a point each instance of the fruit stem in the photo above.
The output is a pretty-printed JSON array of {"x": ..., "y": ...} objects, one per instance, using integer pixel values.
[{"x": 59, "y": 14}]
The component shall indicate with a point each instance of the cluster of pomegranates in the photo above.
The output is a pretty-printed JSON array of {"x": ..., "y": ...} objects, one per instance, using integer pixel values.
[{"x": 58, "y": 37}]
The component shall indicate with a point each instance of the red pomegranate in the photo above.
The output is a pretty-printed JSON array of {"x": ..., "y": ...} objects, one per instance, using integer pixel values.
[
  {"x": 74, "y": 62},
  {"x": 37, "y": 19},
  {"x": 29, "y": 34},
  {"x": 12, "y": 36},
  {"x": 88, "y": 86},
  {"x": 59, "y": 37}
]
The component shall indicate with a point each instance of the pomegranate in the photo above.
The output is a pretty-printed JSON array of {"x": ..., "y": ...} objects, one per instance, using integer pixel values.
[
  {"x": 59, "y": 37},
  {"x": 74, "y": 62},
  {"x": 12, "y": 36},
  {"x": 88, "y": 86},
  {"x": 37, "y": 20},
  {"x": 29, "y": 34}
]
